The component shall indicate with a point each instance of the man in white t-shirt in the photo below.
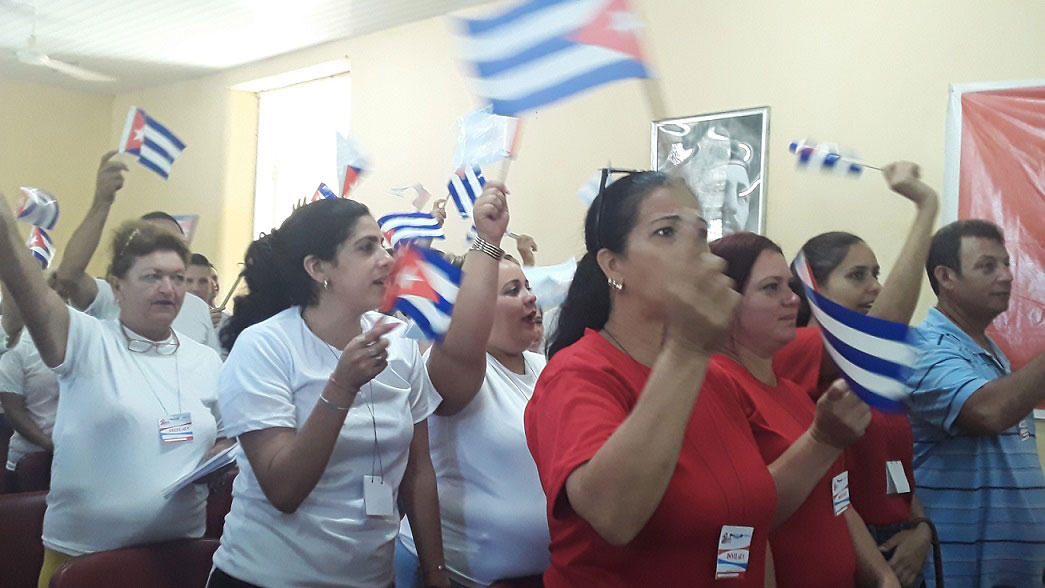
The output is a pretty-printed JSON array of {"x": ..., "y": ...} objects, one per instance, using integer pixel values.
[
  {"x": 29, "y": 394},
  {"x": 95, "y": 296}
]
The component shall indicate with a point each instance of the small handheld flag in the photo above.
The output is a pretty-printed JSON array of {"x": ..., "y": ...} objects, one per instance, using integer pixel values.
[
  {"x": 155, "y": 146},
  {"x": 827, "y": 158},
  {"x": 542, "y": 51},
  {"x": 484, "y": 137},
  {"x": 323, "y": 192},
  {"x": 874, "y": 355},
  {"x": 407, "y": 227},
  {"x": 350, "y": 163},
  {"x": 424, "y": 287},
  {"x": 41, "y": 246},
  {"x": 465, "y": 187},
  {"x": 38, "y": 208}
]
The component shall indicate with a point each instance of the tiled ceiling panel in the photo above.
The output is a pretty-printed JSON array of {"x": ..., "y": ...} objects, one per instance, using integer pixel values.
[{"x": 146, "y": 43}]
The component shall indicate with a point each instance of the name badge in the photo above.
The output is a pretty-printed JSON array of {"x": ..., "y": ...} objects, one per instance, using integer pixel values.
[
  {"x": 377, "y": 497},
  {"x": 1024, "y": 430},
  {"x": 734, "y": 550},
  {"x": 840, "y": 492},
  {"x": 896, "y": 479},
  {"x": 176, "y": 428}
]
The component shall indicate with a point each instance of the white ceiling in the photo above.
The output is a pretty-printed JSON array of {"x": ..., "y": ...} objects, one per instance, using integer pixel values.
[{"x": 146, "y": 43}]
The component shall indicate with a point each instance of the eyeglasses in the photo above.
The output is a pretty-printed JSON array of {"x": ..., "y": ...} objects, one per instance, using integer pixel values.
[
  {"x": 137, "y": 345},
  {"x": 606, "y": 171}
]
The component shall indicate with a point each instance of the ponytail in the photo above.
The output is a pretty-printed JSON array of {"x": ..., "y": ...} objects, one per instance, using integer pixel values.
[
  {"x": 587, "y": 305},
  {"x": 274, "y": 264}
]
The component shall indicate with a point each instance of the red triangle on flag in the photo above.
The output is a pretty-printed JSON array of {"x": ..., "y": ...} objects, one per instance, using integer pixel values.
[
  {"x": 137, "y": 135},
  {"x": 407, "y": 279},
  {"x": 614, "y": 27}
]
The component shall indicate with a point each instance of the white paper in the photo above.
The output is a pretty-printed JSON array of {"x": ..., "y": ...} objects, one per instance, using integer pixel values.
[
  {"x": 215, "y": 463},
  {"x": 896, "y": 479}
]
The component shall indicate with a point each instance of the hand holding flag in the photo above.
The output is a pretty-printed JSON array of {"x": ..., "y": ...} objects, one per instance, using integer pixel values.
[
  {"x": 38, "y": 208},
  {"x": 155, "y": 146}
]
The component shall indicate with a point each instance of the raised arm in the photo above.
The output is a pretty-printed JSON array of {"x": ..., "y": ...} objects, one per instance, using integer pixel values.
[
  {"x": 1000, "y": 404},
  {"x": 457, "y": 366},
  {"x": 899, "y": 294},
  {"x": 71, "y": 279},
  {"x": 44, "y": 313},
  {"x": 620, "y": 487},
  {"x": 10, "y": 318}
]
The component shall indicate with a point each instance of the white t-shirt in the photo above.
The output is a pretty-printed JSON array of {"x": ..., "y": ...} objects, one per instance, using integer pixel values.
[
  {"x": 193, "y": 319},
  {"x": 110, "y": 467},
  {"x": 273, "y": 378},
  {"x": 491, "y": 502},
  {"x": 22, "y": 372}
]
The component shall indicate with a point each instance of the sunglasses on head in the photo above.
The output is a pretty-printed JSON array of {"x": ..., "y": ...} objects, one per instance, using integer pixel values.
[{"x": 606, "y": 172}]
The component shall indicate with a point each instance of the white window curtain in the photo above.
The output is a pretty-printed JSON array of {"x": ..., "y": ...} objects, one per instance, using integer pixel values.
[{"x": 297, "y": 147}]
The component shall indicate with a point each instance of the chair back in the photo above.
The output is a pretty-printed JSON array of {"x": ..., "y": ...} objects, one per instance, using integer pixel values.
[
  {"x": 184, "y": 563},
  {"x": 21, "y": 526}
]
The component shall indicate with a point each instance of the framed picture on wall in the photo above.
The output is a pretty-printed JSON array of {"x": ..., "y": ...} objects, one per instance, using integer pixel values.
[{"x": 722, "y": 157}]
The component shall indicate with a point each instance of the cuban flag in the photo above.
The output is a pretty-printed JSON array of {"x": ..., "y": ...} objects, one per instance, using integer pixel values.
[
  {"x": 323, "y": 192},
  {"x": 465, "y": 187},
  {"x": 41, "y": 246},
  {"x": 155, "y": 146},
  {"x": 351, "y": 164},
  {"x": 825, "y": 157},
  {"x": 38, "y": 208},
  {"x": 875, "y": 355},
  {"x": 542, "y": 51},
  {"x": 409, "y": 226},
  {"x": 423, "y": 286}
]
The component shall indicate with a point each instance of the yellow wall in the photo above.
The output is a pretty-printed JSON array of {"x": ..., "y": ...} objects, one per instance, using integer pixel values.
[{"x": 52, "y": 139}]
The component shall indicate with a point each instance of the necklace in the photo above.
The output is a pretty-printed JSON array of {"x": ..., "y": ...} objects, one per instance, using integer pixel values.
[{"x": 614, "y": 340}]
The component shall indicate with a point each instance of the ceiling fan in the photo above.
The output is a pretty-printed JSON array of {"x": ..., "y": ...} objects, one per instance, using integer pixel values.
[{"x": 30, "y": 55}]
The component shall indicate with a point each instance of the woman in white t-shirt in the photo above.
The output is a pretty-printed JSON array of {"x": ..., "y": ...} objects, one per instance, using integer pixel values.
[
  {"x": 136, "y": 402},
  {"x": 330, "y": 406},
  {"x": 490, "y": 497}
]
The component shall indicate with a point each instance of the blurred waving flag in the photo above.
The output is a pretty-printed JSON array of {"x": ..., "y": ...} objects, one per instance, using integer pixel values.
[
  {"x": 41, "y": 246},
  {"x": 875, "y": 356},
  {"x": 38, "y": 208},
  {"x": 408, "y": 226},
  {"x": 323, "y": 192},
  {"x": 484, "y": 137},
  {"x": 541, "y": 51},
  {"x": 155, "y": 146},
  {"x": 423, "y": 286},
  {"x": 825, "y": 157},
  {"x": 350, "y": 163},
  {"x": 465, "y": 187}
]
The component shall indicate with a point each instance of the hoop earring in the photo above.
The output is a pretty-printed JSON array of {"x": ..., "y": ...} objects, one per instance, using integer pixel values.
[{"x": 618, "y": 286}]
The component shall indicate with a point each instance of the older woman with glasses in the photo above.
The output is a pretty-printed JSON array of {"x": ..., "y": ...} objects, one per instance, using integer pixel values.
[{"x": 136, "y": 408}]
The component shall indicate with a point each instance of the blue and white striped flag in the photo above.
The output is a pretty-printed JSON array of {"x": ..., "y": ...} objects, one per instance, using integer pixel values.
[
  {"x": 825, "y": 157},
  {"x": 155, "y": 146},
  {"x": 465, "y": 187},
  {"x": 42, "y": 246},
  {"x": 38, "y": 208},
  {"x": 874, "y": 355},
  {"x": 409, "y": 226},
  {"x": 424, "y": 287},
  {"x": 541, "y": 51}
]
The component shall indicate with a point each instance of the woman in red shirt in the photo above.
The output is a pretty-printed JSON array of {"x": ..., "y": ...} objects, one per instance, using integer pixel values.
[
  {"x": 648, "y": 480},
  {"x": 846, "y": 271},
  {"x": 823, "y": 543}
]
